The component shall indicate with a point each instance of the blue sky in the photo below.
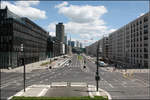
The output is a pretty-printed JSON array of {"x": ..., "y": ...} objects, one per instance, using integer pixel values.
[{"x": 86, "y": 21}]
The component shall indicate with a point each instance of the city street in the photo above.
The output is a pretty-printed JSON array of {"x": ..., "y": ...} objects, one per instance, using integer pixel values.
[{"x": 114, "y": 83}]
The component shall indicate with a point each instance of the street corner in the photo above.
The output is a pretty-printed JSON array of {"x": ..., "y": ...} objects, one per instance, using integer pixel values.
[{"x": 93, "y": 92}]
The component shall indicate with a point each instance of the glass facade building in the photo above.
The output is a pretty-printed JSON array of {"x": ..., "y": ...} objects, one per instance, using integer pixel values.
[{"x": 14, "y": 31}]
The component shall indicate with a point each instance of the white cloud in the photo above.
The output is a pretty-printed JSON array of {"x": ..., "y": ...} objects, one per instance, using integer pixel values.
[
  {"x": 84, "y": 20},
  {"x": 52, "y": 33},
  {"x": 61, "y": 5},
  {"x": 27, "y": 3},
  {"x": 25, "y": 9},
  {"x": 83, "y": 36},
  {"x": 82, "y": 14},
  {"x": 141, "y": 14}
]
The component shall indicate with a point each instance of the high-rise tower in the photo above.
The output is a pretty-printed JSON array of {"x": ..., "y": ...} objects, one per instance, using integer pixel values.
[{"x": 60, "y": 32}]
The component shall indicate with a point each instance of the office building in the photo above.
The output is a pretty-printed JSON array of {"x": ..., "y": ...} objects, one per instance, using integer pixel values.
[
  {"x": 77, "y": 44},
  {"x": 65, "y": 40},
  {"x": 80, "y": 45},
  {"x": 130, "y": 45},
  {"x": 105, "y": 46},
  {"x": 60, "y": 35},
  {"x": 72, "y": 44},
  {"x": 60, "y": 32},
  {"x": 14, "y": 31},
  {"x": 92, "y": 49}
]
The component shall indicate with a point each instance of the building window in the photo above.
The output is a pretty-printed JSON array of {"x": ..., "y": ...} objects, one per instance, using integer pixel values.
[
  {"x": 145, "y": 44},
  {"x": 140, "y": 50},
  {"x": 145, "y": 50},
  {"x": 145, "y": 31},
  {"x": 140, "y": 38},
  {"x": 145, "y": 64},
  {"x": 145, "y": 37},
  {"x": 137, "y": 23},
  {"x": 140, "y": 32},
  {"x": 146, "y": 19},
  {"x": 146, "y": 25},
  {"x": 140, "y": 21},
  {"x": 146, "y": 56}
]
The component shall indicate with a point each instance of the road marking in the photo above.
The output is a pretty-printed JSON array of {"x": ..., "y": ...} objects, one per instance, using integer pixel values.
[
  {"x": 142, "y": 82},
  {"x": 90, "y": 93},
  {"x": 123, "y": 84},
  {"x": 59, "y": 84},
  {"x": 109, "y": 84},
  {"x": 42, "y": 93},
  {"x": 81, "y": 84},
  {"x": 5, "y": 85}
]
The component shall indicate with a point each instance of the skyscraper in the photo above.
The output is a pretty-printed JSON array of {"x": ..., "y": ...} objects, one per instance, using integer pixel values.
[
  {"x": 65, "y": 39},
  {"x": 60, "y": 32},
  {"x": 80, "y": 45},
  {"x": 77, "y": 44}
]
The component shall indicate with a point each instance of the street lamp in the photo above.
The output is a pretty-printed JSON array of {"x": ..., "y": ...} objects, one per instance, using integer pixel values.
[
  {"x": 97, "y": 77},
  {"x": 23, "y": 63}
]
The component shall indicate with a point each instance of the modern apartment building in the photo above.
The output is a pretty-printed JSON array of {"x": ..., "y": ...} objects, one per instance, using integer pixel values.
[
  {"x": 14, "y": 31},
  {"x": 130, "y": 45}
]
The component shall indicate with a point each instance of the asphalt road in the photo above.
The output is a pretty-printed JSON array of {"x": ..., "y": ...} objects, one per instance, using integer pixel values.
[{"x": 118, "y": 86}]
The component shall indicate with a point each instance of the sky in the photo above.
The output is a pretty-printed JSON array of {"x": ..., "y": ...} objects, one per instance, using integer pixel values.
[{"x": 85, "y": 21}]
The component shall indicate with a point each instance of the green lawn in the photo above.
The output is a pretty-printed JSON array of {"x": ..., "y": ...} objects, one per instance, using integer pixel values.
[
  {"x": 60, "y": 98},
  {"x": 79, "y": 57},
  {"x": 45, "y": 63}
]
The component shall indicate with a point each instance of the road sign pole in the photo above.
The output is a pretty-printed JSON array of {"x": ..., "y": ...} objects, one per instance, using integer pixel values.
[{"x": 24, "y": 71}]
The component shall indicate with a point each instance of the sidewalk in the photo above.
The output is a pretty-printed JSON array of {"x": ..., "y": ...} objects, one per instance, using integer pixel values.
[
  {"x": 36, "y": 65},
  {"x": 112, "y": 69},
  {"x": 62, "y": 89}
]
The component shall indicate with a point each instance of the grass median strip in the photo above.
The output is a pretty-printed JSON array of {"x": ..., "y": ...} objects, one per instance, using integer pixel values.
[
  {"x": 79, "y": 57},
  {"x": 45, "y": 63},
  {"x": 60, "y": 98}
]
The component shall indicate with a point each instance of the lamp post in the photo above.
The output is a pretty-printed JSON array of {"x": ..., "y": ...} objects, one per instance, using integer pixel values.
[
  {"x": 23, "y": 63},
  {"x": 97, "y": 77}
]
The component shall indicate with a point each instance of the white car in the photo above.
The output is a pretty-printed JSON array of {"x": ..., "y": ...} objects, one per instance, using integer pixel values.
[{"x": 102, "y": 64}]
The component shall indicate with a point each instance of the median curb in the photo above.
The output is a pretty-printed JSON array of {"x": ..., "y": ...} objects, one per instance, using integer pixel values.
[
  {"x": 33, "y": 90},
  {"x": 101, "y": 92}
]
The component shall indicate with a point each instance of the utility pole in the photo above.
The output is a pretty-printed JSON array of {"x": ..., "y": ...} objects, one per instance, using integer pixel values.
[{"x": 97, "y": 77}]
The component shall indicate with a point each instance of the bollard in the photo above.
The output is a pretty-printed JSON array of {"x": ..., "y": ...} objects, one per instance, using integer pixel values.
[{"x": 50, "y": 67}]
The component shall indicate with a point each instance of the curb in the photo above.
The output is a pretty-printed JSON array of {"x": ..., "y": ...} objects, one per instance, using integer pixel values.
[
  {"x": 46, "y": 87},
  {"x": 97, "y": 93}
]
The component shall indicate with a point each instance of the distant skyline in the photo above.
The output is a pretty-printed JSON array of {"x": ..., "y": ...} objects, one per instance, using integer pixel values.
[{"x": 85, "y": 21}]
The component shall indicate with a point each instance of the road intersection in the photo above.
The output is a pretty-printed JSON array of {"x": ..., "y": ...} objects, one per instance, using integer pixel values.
[{"x": 114, "y": 83}]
